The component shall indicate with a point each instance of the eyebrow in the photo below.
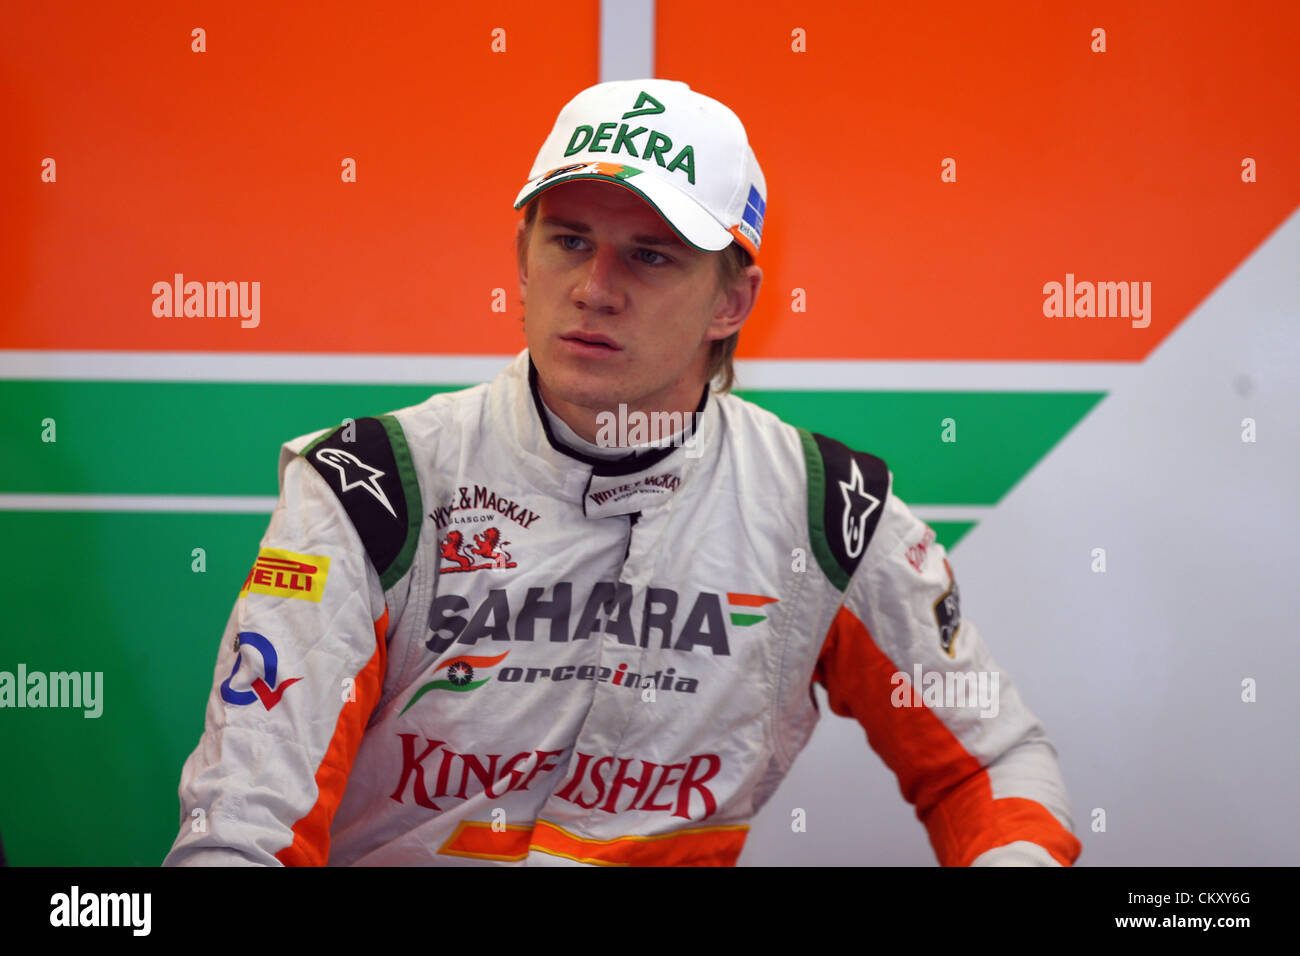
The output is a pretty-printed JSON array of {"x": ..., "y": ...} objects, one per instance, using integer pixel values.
[{"x": 582, "y": 227}]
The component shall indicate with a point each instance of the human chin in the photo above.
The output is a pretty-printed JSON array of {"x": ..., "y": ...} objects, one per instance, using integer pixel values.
[{"x": 591, "y": 389}]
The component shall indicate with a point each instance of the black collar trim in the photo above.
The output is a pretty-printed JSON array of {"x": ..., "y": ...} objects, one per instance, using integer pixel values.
[{"x": 611, "y": 467}]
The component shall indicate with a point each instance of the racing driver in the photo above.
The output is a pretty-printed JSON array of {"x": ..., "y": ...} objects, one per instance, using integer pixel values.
[{"x": 575, "y": 614}]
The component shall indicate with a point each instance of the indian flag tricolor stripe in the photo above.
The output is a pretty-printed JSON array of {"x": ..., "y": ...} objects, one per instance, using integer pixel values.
[{"x": 735, "y": 598}]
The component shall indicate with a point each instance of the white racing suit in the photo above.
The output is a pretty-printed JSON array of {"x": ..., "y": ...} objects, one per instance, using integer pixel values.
[{"x": 463, "y": 642}]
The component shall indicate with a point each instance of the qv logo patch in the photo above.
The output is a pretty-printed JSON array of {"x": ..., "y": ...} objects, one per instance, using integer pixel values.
[{"x": 264, "y": 689}]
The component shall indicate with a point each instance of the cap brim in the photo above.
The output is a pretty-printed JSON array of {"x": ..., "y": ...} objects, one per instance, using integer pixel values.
[{"x": 685, "y": 216}]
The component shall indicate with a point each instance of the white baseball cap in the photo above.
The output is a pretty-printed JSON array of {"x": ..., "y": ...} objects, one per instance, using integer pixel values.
[{"x": 684, "y": 153}]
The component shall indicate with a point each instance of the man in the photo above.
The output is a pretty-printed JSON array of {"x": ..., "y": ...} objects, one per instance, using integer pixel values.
[{"x": 631, "y": 678}]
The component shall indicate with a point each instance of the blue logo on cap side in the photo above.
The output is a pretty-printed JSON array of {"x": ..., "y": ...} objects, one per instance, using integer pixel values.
[{"x": 755, "y": 208}]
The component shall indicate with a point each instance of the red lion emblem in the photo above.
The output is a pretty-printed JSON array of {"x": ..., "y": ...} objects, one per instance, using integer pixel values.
[
  {"x": 486, "y": 545},
  {"x": 451, "y": 546}
]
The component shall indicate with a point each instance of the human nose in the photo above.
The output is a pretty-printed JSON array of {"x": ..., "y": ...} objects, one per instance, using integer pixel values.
[{"x": 600, "y": 284}]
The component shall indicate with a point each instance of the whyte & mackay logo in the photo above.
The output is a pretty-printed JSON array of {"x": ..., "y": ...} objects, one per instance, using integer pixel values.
[
  {"x": 648, "y": 486},
  {"x": 480, "y": 498}
]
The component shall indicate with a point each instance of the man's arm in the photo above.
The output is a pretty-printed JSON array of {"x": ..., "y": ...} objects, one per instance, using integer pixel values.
[
  {"x": 299, "y": 671},
  {"x": 899, "y": 659}
]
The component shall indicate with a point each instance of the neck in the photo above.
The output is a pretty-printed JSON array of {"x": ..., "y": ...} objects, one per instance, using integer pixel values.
[{"x": 610, "y": 426}]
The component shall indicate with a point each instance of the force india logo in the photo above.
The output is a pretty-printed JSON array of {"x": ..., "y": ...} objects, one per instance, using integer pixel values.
[
  {"x": 607, "y": 608},
  {"x": 460, "y": 676}
]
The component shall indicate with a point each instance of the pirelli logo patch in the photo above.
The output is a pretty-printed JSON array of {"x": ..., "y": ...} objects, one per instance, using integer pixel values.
[{"x": 287, "y": 574}]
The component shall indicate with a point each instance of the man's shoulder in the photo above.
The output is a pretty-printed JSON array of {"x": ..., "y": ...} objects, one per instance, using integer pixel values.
[
  {"x": 742, "y": 410},
  {"x": 848, "y": 490},
  {"x": 752, "y": 420},
  {"x": 371, "y": 465},
  {"x": 411, "y": 422}
]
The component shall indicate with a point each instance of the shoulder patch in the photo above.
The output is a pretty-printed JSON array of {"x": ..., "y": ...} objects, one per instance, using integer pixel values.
[
  {"x": 368, "y": 464},
  {"x": 846, "y": 495}
]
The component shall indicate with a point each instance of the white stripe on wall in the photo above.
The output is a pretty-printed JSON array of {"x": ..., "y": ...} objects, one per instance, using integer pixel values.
[
  {"x": 627, "y": 39},
  {"x": 816, "y": 374},
  {"x": 253, "y": 367},
  {"x": 219, "y": 504},
  {"x": 834, "y": 375},
  {"x": 952, "y": 512},
  {"x": 265, "y": 504}
]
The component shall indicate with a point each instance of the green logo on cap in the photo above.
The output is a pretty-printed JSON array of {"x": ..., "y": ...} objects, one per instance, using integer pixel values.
[
  {"x": 642, "y": 98},
  {"x": 657, "y": 145}
]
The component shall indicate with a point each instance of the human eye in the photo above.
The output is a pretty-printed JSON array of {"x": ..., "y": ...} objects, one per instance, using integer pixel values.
[
  {"x": 563, "y": 240},
  {"x": 660, "y": 258}
]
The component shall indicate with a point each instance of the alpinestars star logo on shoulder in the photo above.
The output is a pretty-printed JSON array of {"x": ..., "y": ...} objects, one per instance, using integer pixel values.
[
  {"x": 355, "y": 473},
  {"x": 858, "y": 506}
]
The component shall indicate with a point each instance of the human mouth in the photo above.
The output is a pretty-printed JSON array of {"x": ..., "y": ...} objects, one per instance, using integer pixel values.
[{"x": 591, "y": 343}]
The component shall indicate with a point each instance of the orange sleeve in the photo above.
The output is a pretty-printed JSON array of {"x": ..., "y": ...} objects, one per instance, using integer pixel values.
[{"x": 950, "y": 788}]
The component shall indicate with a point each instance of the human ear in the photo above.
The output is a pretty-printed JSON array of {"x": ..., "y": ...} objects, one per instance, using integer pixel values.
[{"x": 735, "y": 303}]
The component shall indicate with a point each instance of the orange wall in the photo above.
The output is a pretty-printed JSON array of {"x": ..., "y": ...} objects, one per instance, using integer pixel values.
[
  {"x": 1123, "y": 165},
  {"x": 225, "y": 165}
]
